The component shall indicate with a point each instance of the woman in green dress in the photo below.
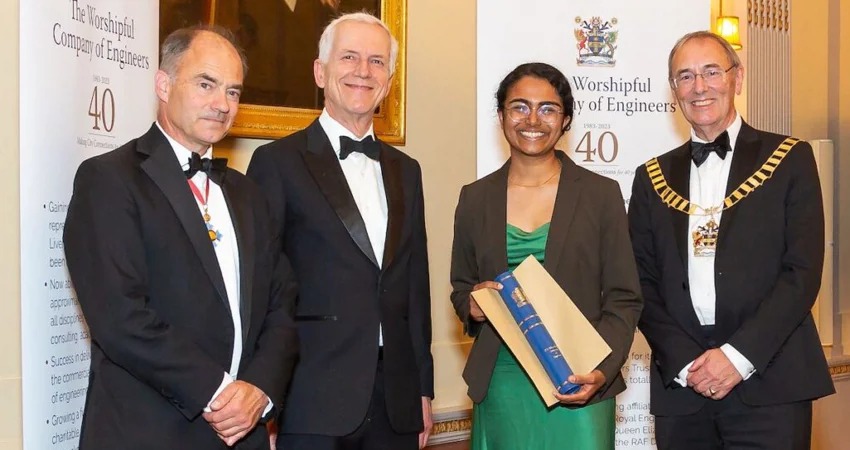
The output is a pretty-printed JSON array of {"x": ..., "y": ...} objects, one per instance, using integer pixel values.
[{"x": 574, "y": 222}]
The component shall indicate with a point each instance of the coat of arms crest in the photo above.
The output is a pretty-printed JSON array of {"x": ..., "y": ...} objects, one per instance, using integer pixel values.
[{"x": 596, "y": 41}]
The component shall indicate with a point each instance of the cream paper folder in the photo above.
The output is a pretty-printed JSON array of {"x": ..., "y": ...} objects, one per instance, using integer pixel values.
[{"x": 575, "y": 337}]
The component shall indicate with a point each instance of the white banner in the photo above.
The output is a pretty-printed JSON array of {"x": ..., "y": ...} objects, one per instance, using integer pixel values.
[
  {"x": 614, "y": 54},
  {"x": 86, "y": 74}
]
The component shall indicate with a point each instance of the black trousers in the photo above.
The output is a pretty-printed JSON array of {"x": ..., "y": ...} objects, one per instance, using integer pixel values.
[
  {"x": 375, "y": 433},
  {"x": 729, "y": 424}
]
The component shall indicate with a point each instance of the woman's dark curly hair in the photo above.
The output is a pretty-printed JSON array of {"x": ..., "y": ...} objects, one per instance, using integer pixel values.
[{"x": 542, "y": 71}]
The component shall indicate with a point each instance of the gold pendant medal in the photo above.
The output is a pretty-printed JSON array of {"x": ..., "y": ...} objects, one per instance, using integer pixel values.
[
  {"x": 705, "y": 236},
  {"x": 213, "y": 234}
]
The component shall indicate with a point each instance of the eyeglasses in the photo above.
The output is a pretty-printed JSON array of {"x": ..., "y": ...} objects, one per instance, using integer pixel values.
[
  {"x": 713, "y": 77},
  {"x": 546, "y": 112}
]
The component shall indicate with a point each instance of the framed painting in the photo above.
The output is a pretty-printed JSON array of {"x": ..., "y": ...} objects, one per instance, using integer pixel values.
[{"x": 280, "y": 38}]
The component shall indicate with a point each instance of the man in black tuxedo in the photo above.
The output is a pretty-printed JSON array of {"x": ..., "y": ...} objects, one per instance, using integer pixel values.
[
  {"x": 736, "y": 356},
  {"x": 189, "y": 310},
  {"x": 350, "y": 210}
]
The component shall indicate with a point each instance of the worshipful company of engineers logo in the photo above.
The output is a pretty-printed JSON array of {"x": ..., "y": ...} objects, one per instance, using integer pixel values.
[{"x": 596, "y": 41}]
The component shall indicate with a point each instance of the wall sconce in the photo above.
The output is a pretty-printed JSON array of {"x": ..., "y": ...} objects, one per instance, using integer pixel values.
[{"x": 727, "y": 28}]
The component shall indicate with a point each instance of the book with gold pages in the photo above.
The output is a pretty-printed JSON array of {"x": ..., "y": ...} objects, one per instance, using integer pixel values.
[{"x": 543, "y": 328}]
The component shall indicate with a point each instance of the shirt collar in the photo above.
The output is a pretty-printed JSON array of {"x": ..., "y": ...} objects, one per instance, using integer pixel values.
[
  {"x": 334, "y": 130},
  {"x": 183, "y": 154},
  {"x": 733, "y": 130}
]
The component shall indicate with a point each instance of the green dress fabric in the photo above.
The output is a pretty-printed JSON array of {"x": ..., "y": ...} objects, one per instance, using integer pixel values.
[{"x": 513, "y": 416}]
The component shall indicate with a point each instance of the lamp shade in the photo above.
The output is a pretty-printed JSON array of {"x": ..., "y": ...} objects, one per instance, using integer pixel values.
[{"x": 727, "y": 27}]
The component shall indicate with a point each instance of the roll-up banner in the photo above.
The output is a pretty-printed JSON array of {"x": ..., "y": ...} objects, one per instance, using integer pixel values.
[{"x": 86, "y": 87}]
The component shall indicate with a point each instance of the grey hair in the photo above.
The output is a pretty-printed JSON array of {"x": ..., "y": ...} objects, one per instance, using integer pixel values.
[
  {"x": 179, "y": 41},
  {"x": 730, "y": 52},
  {"x": 327, "y": 39}
]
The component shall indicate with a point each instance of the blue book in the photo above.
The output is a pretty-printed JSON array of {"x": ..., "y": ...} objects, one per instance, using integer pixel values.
[{"x": 535, "y": 332}]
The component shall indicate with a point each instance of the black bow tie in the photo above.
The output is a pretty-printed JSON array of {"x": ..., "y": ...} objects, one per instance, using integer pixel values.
[
  {"x": 214, "y": 168},
  {"x": 700, "y": 151},
  {"x": 367, "y": 146}
]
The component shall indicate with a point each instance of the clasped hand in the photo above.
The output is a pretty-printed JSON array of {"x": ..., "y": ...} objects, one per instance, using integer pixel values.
[
  {"x": 236, "y": 411},
  {"x": 713, "y": 375}
]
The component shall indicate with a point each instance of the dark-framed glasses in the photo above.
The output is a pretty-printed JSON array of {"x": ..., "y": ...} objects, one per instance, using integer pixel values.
[
  {"x": 546, "y": 112},
  {"x": 712, "y": 76}
]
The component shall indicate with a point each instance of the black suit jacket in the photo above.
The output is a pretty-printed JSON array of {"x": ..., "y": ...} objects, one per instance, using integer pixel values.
[
  {"x": 153, "y": 295},
  {"x": 767, "y": 275},
  {"x": 344, "y": 295},
  {"x": 587, "y": 252}
]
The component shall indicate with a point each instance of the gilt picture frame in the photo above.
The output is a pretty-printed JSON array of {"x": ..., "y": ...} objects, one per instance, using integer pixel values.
[{"x": 280, "y": 38}]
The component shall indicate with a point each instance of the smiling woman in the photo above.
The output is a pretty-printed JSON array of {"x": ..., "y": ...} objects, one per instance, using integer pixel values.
[
  {"x": 573, "y": 221},
  {"x": 280, "y": 38}
]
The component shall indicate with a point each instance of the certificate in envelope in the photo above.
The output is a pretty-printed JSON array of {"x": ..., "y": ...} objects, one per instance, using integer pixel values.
[{"x": 578, "y": 341}]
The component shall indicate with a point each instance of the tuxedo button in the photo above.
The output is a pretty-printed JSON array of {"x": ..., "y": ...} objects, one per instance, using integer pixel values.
[{"x": 684, "y": 286}]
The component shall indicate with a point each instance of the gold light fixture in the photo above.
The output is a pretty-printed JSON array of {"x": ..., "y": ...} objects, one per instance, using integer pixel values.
[{"x": 727, "y": 27}]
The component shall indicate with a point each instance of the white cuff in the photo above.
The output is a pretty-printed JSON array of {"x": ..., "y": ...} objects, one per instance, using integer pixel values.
[
  {"x": 224, "y": 382},
  {"x": 682, "y": 379},
  {"x": 741, "y": 363},
  {"x": 268, "y": 407}
]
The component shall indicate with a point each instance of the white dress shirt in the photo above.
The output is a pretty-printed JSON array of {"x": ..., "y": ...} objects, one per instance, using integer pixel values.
[
  {"x": 366, "y": 182},
  {"x": 226, "y": 252},
  {"x": 708, "y": 189}
]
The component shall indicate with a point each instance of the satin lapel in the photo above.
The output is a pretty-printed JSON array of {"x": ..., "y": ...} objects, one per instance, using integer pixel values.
[
  {"x": 678, "y": 177},
  {"x": 495, "y": 218},
  {"x": 243, "y": 223},
  {"x": 164, "y": 169},
  {"x": 566, "y": 202},
  {"x": 391, "y": 173},
  {"x": 744, "y": 162},
  {"x": 323, "y": 164}
]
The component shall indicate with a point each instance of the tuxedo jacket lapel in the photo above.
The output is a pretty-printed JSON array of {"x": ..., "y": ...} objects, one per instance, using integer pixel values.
[
  {"x": 243, "y": 224},
  {"x": 164, "y": 169},
  {"x": 679, "y": 179},
  {"x": 391, "y": 173},
  {"x": 566, "y": 201},
  {"x": 323, "y": 165},
  {"x": 678, "y": 176},
  {"x": 744, "y": 162}
]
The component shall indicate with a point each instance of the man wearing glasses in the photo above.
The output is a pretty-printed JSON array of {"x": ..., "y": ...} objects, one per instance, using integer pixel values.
[{"x": 728, "y": 236}]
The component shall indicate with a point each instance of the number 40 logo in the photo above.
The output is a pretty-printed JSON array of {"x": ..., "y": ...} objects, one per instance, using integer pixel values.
[
  {"x": 103, "y": 112},
  {"x": 606, "y": 152}
]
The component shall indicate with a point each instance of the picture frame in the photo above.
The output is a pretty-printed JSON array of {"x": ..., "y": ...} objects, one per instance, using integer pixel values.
[{"x": 280, "y": 38}]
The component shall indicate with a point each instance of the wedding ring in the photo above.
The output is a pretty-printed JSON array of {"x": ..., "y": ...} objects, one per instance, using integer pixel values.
[{"x": 711, "y": 391}]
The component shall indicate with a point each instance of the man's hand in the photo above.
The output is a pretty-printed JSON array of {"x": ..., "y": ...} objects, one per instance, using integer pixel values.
[
  {"x": 236, "y": 411},
  {"x": 590, "y": 383},
  {"x": 475, "y": 312},
  {"x": 427, "y": 420},
  {"x": 713, "y": 375}
]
